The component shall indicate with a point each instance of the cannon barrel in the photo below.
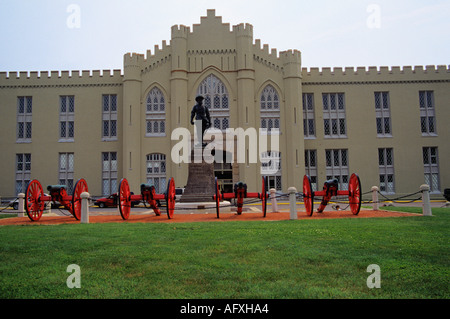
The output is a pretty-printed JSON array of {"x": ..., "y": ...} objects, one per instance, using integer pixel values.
[
  {"x": 146, "y": 187},
  {"x": 55, "y": 188}
]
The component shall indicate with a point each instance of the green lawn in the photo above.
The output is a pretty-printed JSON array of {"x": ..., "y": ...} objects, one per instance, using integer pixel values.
[{"x": 269, "y": 259}]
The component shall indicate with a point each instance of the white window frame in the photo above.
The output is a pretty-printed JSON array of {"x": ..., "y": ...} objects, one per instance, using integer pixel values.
[
  {"x": 383, "y": 114},
  {"x": 336, "y": 162},
  {"x": 66, "y": 170},
  {"x": 109, "y": 117},
  {"x": 156, "y": 170},
  {"x": 386, "y": 170},
  {"x": 334, "y": 115},
  {"x": 24, "y": 119},
  {"x": 66, "y": 118},
  {"x": 23, "y": 172},
  {"x": 431, "y": 168},
  {"x": 309, "y": 122},
  {"x": 109, "y": 173},
  {"x": 216, "y": 100},
  {"x": 427, "y": 113},
  {"x": 271, "y": 167},
  {"x": 155, "y": 114},
  {"x": 270, "y": 110}
]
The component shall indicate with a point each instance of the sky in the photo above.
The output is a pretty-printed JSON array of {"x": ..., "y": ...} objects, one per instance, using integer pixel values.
[{"x": 46, "y": 35}]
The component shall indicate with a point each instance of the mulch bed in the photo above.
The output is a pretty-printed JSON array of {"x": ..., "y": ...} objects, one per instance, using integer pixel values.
[{"x": 199, "y": 217}]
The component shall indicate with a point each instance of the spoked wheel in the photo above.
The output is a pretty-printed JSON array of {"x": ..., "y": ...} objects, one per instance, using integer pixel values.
[
  {"x": 217, "y": 198},
  {"x": 354, "y": 194},
  {"x": 170, "y": 198},
  {"x": 308, "y": 195},
  {"x": 124, "y": 202},
  {"x": 34, "y": 205},
  {"x": 264, "y": 195},
  {"x": 80, "y": 187}
]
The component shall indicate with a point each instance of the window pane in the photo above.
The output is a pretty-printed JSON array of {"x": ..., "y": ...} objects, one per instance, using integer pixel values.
[
  {"x": 326, "y": 125},
  {"x": 431, "y": 124},
  {"x": 379, "y": 126},
  {"x": 342, "y": 126},
  {"x": 71, "y": 104},
  {"x": 71, "y": 129},
  {"x": 63, "y": 129},
  {"x": 105, "y": 103},
  {"x": 422, "y": 99},
  {"x": 387, "y": 126},
  {"x": 21, "y": 105},
  {"x": 381, "y": 156},
  {"x": 29, "y": 105}
]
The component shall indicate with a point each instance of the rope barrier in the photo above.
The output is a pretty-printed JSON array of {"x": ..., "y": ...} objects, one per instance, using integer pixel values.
[{"x": 7, "y": 206}]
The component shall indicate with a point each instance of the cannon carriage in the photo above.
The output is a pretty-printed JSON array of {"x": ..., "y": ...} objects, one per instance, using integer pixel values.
[
  {"x": 35, "y": 199},
  {"x": 330, "y": 189},
  {"x": 148, "y": 196},
  {"x": 240, "y": 193}
]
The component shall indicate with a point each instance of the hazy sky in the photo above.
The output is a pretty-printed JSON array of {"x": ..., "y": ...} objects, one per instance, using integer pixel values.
[{"x": 44, "y": 35}]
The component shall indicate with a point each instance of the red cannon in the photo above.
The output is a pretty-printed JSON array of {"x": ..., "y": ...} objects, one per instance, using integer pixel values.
[
  {"x": 330, "y": 189},
  {"x": 148, "y": 195},
  {"x": 35, "y": 199},
  {"x": 240, "y": 192}
]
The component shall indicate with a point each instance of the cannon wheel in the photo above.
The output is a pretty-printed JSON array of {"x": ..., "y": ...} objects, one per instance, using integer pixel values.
[
  {"x": 217, "y": 198},
  {"x": 264, "y": 195},
  {"x": 170, "y": 198},
  {"x": 33, "y": 204},
  {"x": 124, "y": 201},
  {"x": 80, "y": 187},
  {"x": 354, "y": 194},
  {"x": 308, "y": 195}
]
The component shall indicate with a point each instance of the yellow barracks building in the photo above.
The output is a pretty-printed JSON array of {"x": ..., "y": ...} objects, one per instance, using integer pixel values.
[{"x": 390, "y": 125}]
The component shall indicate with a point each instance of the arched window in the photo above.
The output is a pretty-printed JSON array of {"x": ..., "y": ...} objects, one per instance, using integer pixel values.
[
  {"x": 270, "y": 108},
  {"x": 155, "y": 113},
  {"x": 216, "y": 100},
  {"x": 156, "y": 171}
]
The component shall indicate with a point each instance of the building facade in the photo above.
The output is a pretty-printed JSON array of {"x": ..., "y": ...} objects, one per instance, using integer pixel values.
[{"x": 386, "y": 124}]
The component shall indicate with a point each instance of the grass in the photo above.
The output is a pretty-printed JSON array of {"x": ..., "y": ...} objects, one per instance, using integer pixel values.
[{"x": 281, "y": 260}]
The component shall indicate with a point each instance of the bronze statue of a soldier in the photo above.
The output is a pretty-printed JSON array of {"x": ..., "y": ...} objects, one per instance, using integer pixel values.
[{"x": 201, "y": 113}]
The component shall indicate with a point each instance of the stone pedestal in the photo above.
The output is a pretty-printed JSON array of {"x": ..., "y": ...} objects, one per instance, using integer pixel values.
[{"x": 201, "y": 183}]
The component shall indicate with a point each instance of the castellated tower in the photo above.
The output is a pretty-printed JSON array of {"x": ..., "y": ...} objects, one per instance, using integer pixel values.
[
  {"x": 245, "y": 80},
  {"x": 293, "y": 119},
  {"x": 131, "y": 154}
]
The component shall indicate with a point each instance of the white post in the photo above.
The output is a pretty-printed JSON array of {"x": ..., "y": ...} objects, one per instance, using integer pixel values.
[
  {"x": 375, "y": 197},
  {"x": 426, "y": 207},
  {"x": 85, "y": 207},
  {"x": 21, "y": 200},
  {"x": 274, "y": 200},
  {"x": 292, "y": 202}
]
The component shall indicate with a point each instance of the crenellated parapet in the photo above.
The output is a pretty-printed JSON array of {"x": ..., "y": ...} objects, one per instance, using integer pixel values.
[
  {"x": 243, "y": 30},
  {"x": 60, "y": 78},
  {"x": 352, "y": 75},
  {"x": 292, "y": 63},
  {"x": 268, "y": 59},
  {"x": 284, "y": 61},
  {"x": 180, "y": 31}
]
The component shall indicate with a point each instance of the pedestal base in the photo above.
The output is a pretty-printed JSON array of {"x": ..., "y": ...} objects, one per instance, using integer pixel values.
[{"x": 200, "y": 185}]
